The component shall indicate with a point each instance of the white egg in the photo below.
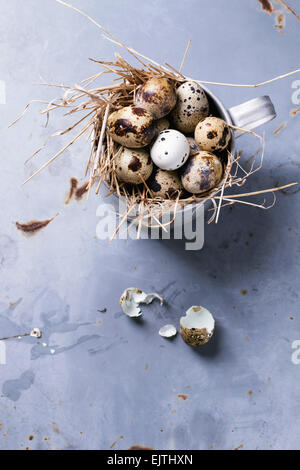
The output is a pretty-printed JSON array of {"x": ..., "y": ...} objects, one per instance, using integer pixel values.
[{"x": 171, "y": 150}]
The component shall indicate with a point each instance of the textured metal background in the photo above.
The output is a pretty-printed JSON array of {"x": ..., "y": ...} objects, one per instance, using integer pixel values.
[{"x": 108, "y": 376}]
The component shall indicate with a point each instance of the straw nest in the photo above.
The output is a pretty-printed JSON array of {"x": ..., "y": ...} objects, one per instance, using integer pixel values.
[{"x": 94, "y": 104}]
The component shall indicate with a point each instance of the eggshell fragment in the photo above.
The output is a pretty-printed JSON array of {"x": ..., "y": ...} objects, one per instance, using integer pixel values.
[
  {"x": 165, "y": 184},
  {"x": 212, "y": 134},
  {"x": 157, "y": 96},
  {"x": 202, "y": 173},
  {"x": 36, "y": 333},
  {"x": 168, "y": 331},
  {"x": 192, "y": 106},
  {"x": 197, "y": 327},
  {"x": 131, "y": 164},
  {"x": 170, "y": 150},
  {"x": 131, "y": 127},
  {"x": 133, "y": 297}
]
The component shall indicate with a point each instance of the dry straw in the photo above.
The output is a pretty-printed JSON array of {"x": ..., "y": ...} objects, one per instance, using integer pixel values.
[{"x": 97, "y": 102}]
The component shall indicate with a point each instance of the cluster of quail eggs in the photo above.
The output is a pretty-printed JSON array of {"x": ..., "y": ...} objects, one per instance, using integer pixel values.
[{"x": 169, "y": 139}]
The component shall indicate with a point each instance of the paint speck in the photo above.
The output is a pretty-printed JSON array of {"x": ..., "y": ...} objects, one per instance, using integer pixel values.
[
  {"x": 241, "y": 446},
  {"x": 183, "y": 396},
  {"x": 138, "y": 447},
  {"x": 55, "y": 428},
  {"x": 116, "y": 441},
  {"x": 280, "y": 128},
  {"x": 250, "y": 393},
  {"x": 34, "y": 226},
  {"x": 294, "y": 112}
]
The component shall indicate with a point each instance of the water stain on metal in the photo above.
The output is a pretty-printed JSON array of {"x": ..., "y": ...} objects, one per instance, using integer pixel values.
[
  {"x": 12, "y": 389},
  {"x": 183, "y": 396},
  {"x": 34, "y": 226},
  {"x": 138, "y": 447}
]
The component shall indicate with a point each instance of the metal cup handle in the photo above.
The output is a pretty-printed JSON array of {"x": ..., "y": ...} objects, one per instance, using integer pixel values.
[{"x": 252, "y": 114}]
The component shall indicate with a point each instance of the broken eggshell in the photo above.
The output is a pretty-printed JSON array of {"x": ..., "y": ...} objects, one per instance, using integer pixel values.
[
  {"x": 36, "y": 333},
  {"x": 197, "y": 327},
  {"x": 133, "y": 297},
  {"x": 168, "y": 331}
]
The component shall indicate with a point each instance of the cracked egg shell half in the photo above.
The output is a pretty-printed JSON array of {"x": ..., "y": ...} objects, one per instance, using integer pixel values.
[
  {"x": 131, "y": 127},
  {"x": 192, "y": 106},
  {"x": 202, "y": 173},
  {"x": 157, "y": 96},
  {"x": 170, "y": 150},
  {"x": 165, "y": 184},
  {"x": 197, "y": 327},
  {"x": 131, "y": 163},
  {"x": 212, "y": 134}
]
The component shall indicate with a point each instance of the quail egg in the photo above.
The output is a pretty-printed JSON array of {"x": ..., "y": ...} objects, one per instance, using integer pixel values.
[
  {"x": 165, "y": 184},
  {"x": 131, "y": 164},
  {"x": 162, "y": 125},
  {"x": 192, "y": 106},
  {"x": 132, "y": 127},
  {"x": 197, "y": 327},
  {"x": 212, "y": 134},
  {"x": 202, "y": 173},
  {"x": 194, "y": 147},
  {"x": 170, "y": 150},
  {"x": 157, "y": 96}
]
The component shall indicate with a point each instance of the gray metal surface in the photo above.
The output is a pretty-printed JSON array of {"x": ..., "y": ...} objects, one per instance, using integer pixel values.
[{"x": 102, "y": 375}]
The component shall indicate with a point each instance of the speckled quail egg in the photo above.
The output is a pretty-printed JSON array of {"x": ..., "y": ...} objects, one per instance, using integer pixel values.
[
  {"x": 165, "y": 184},
  {"x": 212, "y": 134},
  {"x": 170, "y": 150},
  {"x": 131, "y": 163},
  {"x": 157, "y": 96},
  {"x": 132, "y": 127},
  {"x": 194, "y": 147},
  {"x": 197, "y": 327},
  {"x": 202, "y": 172},
  {"x": 162, "y": 125},
  {"x": 192, "y": 106}
]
